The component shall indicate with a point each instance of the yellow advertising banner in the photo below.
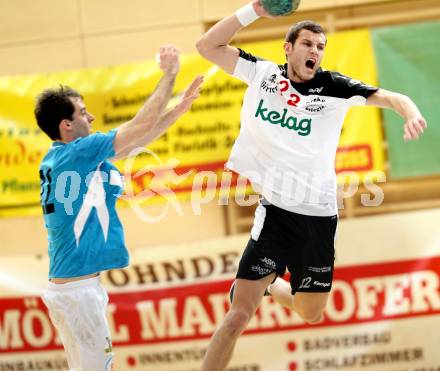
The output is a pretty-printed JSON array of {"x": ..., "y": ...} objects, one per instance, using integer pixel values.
[{"x": 191, "y": 155}]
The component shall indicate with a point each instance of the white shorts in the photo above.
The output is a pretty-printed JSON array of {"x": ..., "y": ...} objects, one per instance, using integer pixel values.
[{"x": 78, "y": 311}]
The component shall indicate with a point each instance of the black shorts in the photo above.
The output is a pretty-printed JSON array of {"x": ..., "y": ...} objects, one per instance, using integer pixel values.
[{"x": 282, "y": 239}]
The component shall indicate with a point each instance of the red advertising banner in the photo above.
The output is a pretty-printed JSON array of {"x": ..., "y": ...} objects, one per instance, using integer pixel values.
[{"x": 383, "y": 313}]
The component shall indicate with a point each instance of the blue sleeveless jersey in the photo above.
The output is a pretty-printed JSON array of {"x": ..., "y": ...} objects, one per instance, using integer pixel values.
[{"x": 79, "y": 189}]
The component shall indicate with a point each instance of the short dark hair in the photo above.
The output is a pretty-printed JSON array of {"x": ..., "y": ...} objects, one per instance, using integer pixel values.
[
  {"x": 294, "y": 31},
  {"x": 53, "y": 106}
]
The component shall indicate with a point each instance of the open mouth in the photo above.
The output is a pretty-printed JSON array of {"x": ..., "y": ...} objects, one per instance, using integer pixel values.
[{"x": 310, "y": 63}]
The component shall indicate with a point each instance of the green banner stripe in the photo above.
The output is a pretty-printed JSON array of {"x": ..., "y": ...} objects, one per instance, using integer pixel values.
[{"x": 407, "y": 58}]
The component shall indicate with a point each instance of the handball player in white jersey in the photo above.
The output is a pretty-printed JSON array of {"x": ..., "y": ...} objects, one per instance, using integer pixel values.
[
  {"x": 79, "y": 189},
  {"x": 291, "y": 121}
]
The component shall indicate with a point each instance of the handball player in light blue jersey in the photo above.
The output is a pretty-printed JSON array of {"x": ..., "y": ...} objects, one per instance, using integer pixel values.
[{"x": 79, "y": 189}]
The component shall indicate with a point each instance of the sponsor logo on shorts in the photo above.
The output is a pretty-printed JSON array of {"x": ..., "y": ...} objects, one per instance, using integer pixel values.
[
  {"x": 260, "y": 270},
  {"x": 322, "y": 284},
  {"x": 320, "y": 269},
  {"x": 269, "y": 263}
]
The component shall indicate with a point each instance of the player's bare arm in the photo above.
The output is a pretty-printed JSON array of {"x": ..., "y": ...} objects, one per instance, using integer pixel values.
[
  {"x": 171, "y": 115},
  {"x": 132, "y": 132},
  {"x": 168, "y": 117},
  {"x": 415, "y": 123},
  {"x": 214, "y": 44}
]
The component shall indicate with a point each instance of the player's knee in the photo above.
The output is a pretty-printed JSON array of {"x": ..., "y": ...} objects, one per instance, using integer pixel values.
[
  {"x": 315, "y": 319},
  {"x": 236, "y": 321},
  {"x": 312, "y": 315}
]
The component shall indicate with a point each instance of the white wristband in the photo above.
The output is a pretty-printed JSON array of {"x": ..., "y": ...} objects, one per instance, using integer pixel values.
[{"x": 247, "y": 15}]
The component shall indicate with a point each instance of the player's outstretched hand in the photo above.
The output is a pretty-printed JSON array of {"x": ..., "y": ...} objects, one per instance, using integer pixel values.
[
  {"x": 168, "y": 59},
  {"x": 191, "y": 93},
  {"x": 413, "y": 128}
]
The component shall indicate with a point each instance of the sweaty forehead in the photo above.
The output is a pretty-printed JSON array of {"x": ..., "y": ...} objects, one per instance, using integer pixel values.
[{"x": 318, "y": 38}]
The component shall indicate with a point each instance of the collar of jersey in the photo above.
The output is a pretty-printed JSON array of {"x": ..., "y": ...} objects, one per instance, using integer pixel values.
[{"x": 303, "y": 87}]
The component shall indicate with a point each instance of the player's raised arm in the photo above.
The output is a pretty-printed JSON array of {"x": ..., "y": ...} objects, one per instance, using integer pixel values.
[
  {"x": 132, "y": 132},
  {"x": 214, "y": 44},
  {"x": 415, "y": 123},
  {"x": 168, "y": 118}
]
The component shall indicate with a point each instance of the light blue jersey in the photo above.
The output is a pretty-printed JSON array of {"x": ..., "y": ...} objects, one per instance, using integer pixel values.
[{"x": 79, "y": 189}]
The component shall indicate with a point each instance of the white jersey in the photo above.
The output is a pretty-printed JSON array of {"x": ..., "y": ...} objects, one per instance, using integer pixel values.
[{"x": 289, "y": 134}]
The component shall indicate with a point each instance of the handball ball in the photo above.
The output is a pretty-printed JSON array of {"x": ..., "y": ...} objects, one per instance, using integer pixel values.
[{"x": 280, "y": 7}]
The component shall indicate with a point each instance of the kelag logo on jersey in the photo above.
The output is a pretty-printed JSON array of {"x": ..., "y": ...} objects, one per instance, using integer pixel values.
[{"x": 303, "y": 127}]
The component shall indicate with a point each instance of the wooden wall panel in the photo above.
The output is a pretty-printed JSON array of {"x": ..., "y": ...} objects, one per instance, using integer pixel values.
[
  {"x": 22, "y": 20},
  {"x": 213, "y": 10},
  {"x": 360, "y": 2},
  {"x": 41, "y": 57},
  {"x": 174, "y": 228},
  {"x": 24, "y": 235},
  {"x": 138, "y": 46},
  {"x": 108, "y": 15},
  {"x": 307, "y": 5}
]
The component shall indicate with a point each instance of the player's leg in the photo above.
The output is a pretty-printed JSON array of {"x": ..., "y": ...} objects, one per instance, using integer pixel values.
[
  {"x": 311, "y": 264},
  {"x": 92, "y": 331},
  {"x": 56, "y": 303},
  {"x": 309, "y": 305},
  {"x": 247, "y": 298},
  {"x": 79, "y": 312},
  {"x": 313, "y": 291},
  {"x": 258, "y": 267}
]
